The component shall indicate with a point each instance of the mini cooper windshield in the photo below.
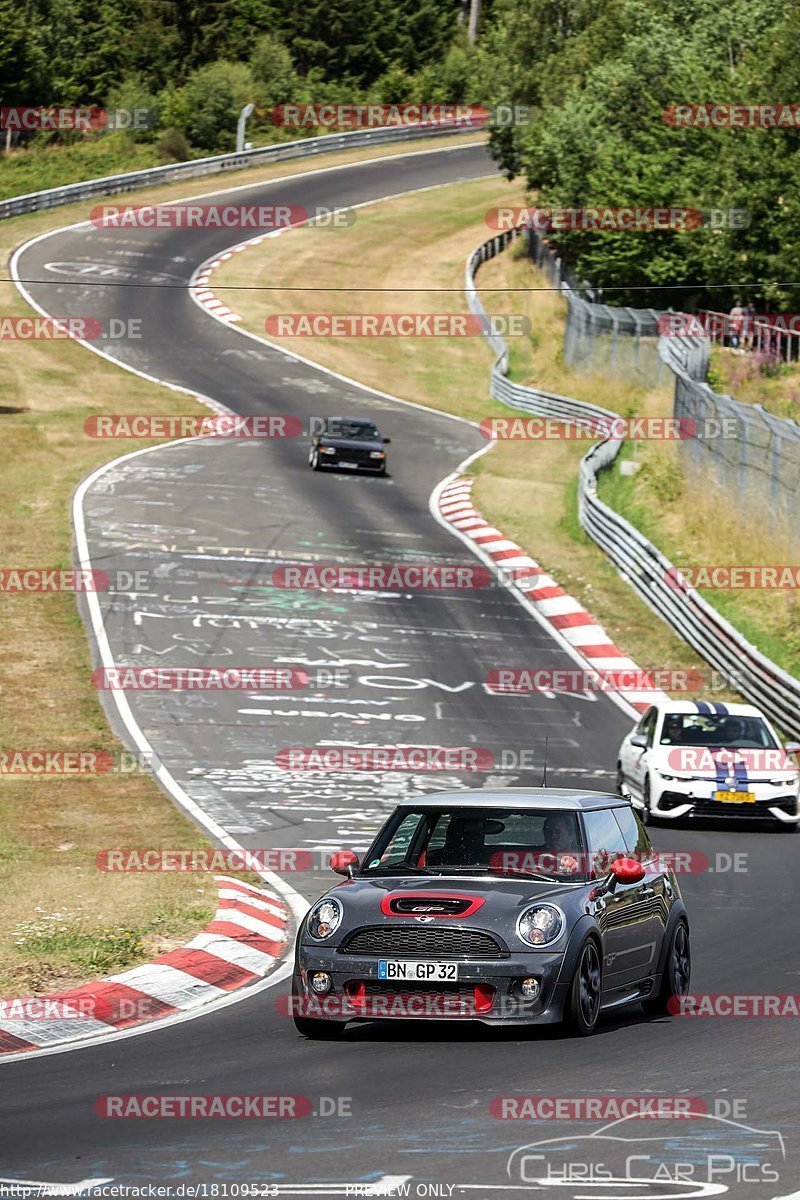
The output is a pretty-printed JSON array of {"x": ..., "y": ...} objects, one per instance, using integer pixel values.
[{"x": 453, "y": 841}]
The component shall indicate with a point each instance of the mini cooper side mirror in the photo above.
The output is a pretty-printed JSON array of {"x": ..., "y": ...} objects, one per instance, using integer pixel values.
[
  {"x": 627, "y": 870},
  {"x": 344, "y": 862},
  {"x": 639, "y": 740}
]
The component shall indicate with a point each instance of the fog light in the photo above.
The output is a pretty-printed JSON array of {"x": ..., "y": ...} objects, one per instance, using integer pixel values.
[
  {"x": 320, "y": 982},
  {"x": 530, "y": 988}
]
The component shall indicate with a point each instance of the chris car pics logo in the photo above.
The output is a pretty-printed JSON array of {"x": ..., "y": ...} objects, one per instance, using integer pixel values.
[{"x": 644, "y": 1159}]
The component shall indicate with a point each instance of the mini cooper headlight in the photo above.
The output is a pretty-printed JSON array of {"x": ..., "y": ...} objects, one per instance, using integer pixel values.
[
  {"x": 540, "y": 924},
  {"x": 325, "y": 918},
  {"x": 377, "y": 454}
]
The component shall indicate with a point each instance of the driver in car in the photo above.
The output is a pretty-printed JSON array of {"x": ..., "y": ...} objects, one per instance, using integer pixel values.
[{"x": 559, "y": 836}]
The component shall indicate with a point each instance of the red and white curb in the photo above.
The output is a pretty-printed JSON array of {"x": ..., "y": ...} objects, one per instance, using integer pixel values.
[
  {"x": 240, "y": 946},
  {"x": 201, "y": 283},
  {"x": 560, "y": 610}
]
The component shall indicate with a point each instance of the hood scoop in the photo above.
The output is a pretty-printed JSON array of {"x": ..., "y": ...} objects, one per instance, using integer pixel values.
[{"x": 430, "y": 906}]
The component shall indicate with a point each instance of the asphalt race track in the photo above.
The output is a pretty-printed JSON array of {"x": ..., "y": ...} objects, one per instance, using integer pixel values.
[{"x": 209, "y": 521}]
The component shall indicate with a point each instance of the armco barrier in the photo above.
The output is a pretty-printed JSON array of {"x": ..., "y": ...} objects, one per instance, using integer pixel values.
[
  {"x": 641, "y": 564},
  {"x": 110, "y": 185}
]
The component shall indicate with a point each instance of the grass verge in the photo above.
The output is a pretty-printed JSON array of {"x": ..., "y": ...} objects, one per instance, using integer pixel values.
[
  {"x": 754, "y": 378},
  {"x": 63, "y": 921}
]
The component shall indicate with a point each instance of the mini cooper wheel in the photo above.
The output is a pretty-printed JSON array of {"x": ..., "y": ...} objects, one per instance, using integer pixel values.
[
  {"x": 313, "y": 459},
  {"x": 583, "y": 1010},
  {"x": 677, "y": 975}
]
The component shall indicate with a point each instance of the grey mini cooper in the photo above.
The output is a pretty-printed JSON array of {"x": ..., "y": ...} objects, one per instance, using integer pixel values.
[{"x": 511, "y": 906}]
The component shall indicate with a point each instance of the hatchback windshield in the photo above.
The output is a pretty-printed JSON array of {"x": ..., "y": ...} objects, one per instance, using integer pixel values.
[
  {"x": 697, "y": 729},
  {"x": 540, "y": 844},
  {"x": 365, "y": 430}
]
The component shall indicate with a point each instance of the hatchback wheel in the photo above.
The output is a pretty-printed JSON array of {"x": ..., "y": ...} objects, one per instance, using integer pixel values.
[
  {"x": 313, "y": 460},
  {"x": 677, "y": 974},
  {"x": 585, "y": 993}
]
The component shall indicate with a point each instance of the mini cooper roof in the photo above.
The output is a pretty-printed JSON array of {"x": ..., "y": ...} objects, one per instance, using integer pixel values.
[{"x": 540, "y": 798}]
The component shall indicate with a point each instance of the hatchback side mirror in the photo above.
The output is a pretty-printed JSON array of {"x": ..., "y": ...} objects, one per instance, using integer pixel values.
[
  {"x": 793, "y": 747},
  {"x": 640, "y": 740},
  {"x": 386, "y": 441},
  {"x": 627, "y": 870},
  {"x": 344, "y": 862}
]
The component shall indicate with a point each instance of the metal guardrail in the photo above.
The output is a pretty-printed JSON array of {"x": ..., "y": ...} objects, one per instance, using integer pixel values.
[
  {"x": 640, "y": 563},
  {"x": 132, "y": 181}
]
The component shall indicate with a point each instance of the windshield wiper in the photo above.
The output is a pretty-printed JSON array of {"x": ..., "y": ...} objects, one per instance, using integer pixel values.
[
  {"x": 397, "y": 869},
  {"x": 524, "y": 874},
  {"x": 478, "y": 870}
]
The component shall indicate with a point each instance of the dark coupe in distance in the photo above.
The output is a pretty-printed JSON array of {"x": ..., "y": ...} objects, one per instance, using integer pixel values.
[
  {"x": 349, "y": 442},
  {"x": 511, "y": 906}
]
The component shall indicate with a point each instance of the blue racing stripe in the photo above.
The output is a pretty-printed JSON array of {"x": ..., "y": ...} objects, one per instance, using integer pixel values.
[
  {"x": 703, "y": 708},
  {"x": 720, "y": 709},
  {"x": 722, "y": 771},
  {"x": 740, "y": 771}
]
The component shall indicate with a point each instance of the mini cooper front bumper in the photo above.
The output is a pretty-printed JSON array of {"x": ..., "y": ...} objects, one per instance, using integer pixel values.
[{"x": 490, "y": 991}]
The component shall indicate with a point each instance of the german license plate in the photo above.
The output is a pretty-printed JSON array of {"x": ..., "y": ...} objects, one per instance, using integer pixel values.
[
  {"x": 735, "y": 797},
  {"x": 432, "y": 972},
  {"x": 348, "y": 466}
]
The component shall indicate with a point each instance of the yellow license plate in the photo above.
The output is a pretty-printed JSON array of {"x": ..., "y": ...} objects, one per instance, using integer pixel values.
[{"x": 735, "y": 797}]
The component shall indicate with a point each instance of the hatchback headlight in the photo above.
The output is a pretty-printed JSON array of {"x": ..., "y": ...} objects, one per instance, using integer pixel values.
[
  {"x": 540, "y": 924},
  {"x": 377, "y": 454},
  {"x": 327, "y": 449},
  {"x": 324, "y": 918}
]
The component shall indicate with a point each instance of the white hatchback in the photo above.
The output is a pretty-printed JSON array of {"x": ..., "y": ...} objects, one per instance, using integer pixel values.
[{"x": 702, "y": 758}]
